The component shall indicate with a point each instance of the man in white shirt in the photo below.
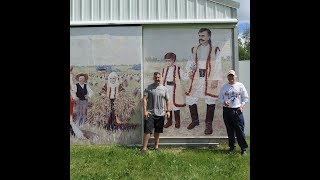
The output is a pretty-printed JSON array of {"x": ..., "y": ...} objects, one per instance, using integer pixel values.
[
  {"x": 81, "y": 93},
  {"x": 233, "y": 95},
  {"x": 205, "y": 73}
]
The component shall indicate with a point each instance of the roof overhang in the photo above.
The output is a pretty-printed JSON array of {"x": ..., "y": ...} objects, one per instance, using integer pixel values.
[{"x": 175, "y": 21}]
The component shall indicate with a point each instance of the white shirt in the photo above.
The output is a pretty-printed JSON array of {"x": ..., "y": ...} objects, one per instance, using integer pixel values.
[
  {"x": 236, "y": 94},
  {"x": 203, "y": 53},
  {"x": 170, "y": 73}
]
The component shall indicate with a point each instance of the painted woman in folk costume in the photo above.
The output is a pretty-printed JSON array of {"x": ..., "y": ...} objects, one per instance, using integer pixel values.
[
  {"x": 171, "y": 79},
  {"x": 111, "y": 91}
]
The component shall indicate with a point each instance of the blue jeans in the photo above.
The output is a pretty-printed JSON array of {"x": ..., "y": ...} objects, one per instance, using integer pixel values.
[{"x": 235, "y": 126}]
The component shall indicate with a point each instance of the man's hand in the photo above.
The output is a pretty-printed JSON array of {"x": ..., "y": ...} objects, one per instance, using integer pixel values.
[
  {"x": 214, "y": 84},
  {"x": 168, "y": 114},
  {"x": 76, "y": 99},
  {"x": 86, "y": 97},
  {"x": 146, "y": 115},
  {"x": 241, "y": 108},
  {"x": 227, "y": 103}
]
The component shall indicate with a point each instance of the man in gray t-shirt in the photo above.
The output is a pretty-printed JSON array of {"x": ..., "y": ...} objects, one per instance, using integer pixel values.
[{"x": 155, "y": 107}]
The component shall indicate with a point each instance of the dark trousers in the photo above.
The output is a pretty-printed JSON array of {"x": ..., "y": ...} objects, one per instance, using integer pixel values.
[{"x": 235, "y": 126}]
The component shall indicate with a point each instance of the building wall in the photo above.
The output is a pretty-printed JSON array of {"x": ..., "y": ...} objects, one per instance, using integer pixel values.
[
  {"x": 244, "y": 77},
  {"x": 214, "y": 14}
]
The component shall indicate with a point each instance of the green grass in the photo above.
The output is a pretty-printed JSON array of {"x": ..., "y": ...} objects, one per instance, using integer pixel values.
[{"x": 120, "y": 162}]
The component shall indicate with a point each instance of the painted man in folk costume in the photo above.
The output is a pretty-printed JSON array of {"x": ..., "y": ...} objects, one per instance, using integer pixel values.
[
  {"x": 205, "y": 73},
  {"x": 81, "y": 93},
  {"x": 75, "y": 131},
  {"x": 171, "y": 79}
]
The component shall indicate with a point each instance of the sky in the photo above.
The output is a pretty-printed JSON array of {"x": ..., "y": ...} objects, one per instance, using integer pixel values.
[
  {"x": 243, "y": 16},
  {"x": 244, "y": 11}
]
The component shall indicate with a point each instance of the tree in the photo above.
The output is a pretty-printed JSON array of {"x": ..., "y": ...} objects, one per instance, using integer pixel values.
[
  {"x": 246, "y": 37},
  {"x": 244, "y": 47}
]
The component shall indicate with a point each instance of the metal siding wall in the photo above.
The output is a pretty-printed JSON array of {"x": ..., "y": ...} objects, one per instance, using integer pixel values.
[
  {"x": 104, "y": 9},
  {"x": 182, "y": 9},
  {"x": 228, "y": 14},
  {"x": 117, "y": 10},
  {"x": 220, "y": 11},
  {"x": 153, "y": 9},
  {"x": 143, "y": 9},
  {"x": 77, "y": 10},
  {"x": 71, "y": 10},
  {"x": 134, "y": 9},
  {"x": 163, "y": 9},
  {"x": 201, "y": 9},
  {"x": 191, "y": 8},
  {"x": 172, "y": 9},
  {"x": 95, "y": 10},
  {"x": 124, "y": 9},
  {"x": 211, "y": 13},
  {"x": 86, "y": 10}
]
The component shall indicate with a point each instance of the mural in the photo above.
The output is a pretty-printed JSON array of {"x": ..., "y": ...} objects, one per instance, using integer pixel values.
[
  {"x": 193, "y": 62},
  {"x": 105, "y": 85}
]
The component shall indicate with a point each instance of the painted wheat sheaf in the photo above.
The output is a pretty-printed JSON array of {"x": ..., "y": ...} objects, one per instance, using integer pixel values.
[{"x": 124, "y": 106}]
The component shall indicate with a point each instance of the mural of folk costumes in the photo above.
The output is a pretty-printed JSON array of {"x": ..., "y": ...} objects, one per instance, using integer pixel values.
[
  {"x": 171, "y": 79},
  {"x": 205, "y": 82}
]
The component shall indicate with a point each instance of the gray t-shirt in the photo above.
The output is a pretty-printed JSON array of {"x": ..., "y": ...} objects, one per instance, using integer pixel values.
[{"x": 156, "y": 99}]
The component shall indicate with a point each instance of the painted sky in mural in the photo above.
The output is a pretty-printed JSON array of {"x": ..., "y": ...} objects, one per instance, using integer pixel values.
[
  {"x": 158, "y": 41},
  {"x": 112, "y": 45}
]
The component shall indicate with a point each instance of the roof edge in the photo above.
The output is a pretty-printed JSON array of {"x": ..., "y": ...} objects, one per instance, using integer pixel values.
[
  {"x": 176, "y": 21},
  {"x": 229, "y": 3}
]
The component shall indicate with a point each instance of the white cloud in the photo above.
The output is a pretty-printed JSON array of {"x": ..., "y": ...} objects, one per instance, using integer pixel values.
[{"x": 244, "y": 10}]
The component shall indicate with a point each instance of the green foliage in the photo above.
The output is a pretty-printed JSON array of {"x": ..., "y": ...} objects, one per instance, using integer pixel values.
[
  {"x": 120, "y": 162},
  {"x": 244, "y": 47},
  {"x": 243, "y": 52}
]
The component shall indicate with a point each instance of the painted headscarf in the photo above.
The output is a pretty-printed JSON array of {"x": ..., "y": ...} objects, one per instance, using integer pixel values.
[{"x": 113, "y": 75}]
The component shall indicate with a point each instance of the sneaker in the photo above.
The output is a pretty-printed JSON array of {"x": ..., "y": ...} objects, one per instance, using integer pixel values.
[{"x": 244, "y": 152}]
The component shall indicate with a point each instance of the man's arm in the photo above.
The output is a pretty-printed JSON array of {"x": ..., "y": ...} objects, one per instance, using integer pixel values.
[
  {"x": 244, "y": 97},
  {"x": 168, "y": 107},
  {"x": 167, "y": 103},
  {"x": 145, "y": 112}
]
